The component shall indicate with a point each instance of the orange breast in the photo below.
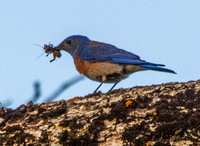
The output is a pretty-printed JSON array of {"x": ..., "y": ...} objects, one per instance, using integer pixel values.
[{"x": 81, "y": 65}]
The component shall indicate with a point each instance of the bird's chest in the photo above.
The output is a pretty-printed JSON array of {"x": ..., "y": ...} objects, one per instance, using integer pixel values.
[
  {"x": 81, "y": 65},
  {"x": 99, "y": 71}
]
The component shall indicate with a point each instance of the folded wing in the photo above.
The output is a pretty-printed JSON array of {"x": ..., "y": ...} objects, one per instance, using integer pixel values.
[{"x": 109, "y": 53}]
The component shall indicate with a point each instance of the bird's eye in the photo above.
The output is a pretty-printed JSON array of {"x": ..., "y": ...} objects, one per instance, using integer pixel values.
[{"x": 69, "y": 41}]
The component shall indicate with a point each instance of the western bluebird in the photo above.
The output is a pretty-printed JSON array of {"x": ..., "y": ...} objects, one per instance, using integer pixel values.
[{"x": 103, "y": 62}]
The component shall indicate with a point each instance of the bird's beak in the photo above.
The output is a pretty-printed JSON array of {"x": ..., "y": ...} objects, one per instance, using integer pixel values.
[{"x": 59, "y": 47}]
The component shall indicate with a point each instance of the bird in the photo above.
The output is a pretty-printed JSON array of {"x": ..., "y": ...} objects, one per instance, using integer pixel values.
[{"x": 104, "y": 62}]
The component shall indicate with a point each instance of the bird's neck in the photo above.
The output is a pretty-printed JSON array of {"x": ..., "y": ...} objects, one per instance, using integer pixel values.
[{"x": 79, "y": 48}]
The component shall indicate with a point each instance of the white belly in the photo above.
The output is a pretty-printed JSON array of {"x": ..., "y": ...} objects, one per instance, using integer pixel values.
[{"x": 111, "y": 72}]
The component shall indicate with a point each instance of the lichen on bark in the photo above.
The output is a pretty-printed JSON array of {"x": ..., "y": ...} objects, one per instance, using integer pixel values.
[{"x": 166, "y": 114}]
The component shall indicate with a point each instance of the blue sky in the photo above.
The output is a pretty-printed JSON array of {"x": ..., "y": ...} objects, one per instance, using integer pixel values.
[{"x": 166, "y": 32}]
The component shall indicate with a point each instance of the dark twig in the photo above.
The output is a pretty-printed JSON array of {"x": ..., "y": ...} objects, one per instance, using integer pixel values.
[
  {"x": 37, "y": 92},
  {"x": 6, "y": 103},
  {"x": 63, "y": 87}
]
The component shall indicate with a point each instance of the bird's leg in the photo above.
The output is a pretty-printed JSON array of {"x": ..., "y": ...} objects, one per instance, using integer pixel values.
[
  {"x": 113, "y": 86},
  {"x": 95, "y": 91}
]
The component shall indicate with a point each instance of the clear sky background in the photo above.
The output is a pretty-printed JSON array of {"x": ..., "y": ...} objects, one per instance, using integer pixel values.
[{"x": 165, "y": 32}]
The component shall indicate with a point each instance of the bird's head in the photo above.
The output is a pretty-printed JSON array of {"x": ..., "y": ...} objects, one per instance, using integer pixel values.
[{"x": 73, "y": 44}]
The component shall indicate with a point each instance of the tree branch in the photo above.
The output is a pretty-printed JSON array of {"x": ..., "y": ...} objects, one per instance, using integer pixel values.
[{"x": 166, "y": 114}]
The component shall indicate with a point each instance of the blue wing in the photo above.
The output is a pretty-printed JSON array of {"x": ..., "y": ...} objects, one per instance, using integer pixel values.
[{"x": 109, "y": 53}]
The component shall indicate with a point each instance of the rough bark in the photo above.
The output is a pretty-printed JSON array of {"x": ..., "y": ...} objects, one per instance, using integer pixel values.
[{"x": 166, "y": 114}]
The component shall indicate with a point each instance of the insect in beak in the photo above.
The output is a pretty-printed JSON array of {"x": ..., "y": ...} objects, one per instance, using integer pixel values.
[
  {"x": 50, "y": 49},
  {"x": 40, "y": 47}
]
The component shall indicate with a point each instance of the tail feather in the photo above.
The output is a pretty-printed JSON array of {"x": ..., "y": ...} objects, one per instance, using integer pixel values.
[{"x": 156, "y": 68}]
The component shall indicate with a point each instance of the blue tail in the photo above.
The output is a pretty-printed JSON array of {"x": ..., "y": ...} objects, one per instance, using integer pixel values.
[{"x": 156, "y": 68}]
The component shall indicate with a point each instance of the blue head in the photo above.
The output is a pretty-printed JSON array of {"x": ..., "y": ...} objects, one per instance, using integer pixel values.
[{"x": 73, "y": 44}]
